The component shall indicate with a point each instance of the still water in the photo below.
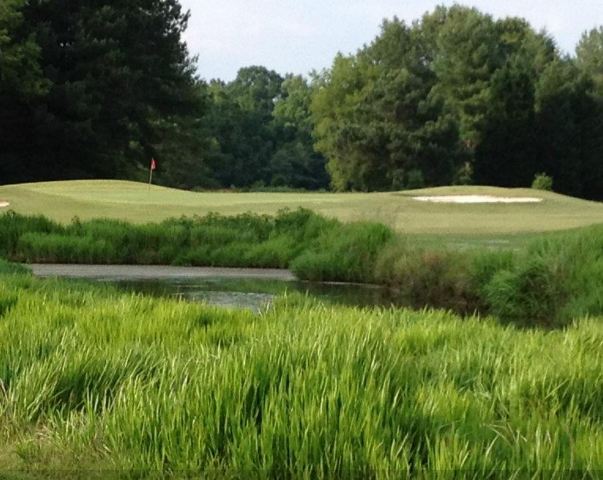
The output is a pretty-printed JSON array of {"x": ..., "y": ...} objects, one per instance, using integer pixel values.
[
  {"x": 254, "y": 294},
  {"x": 253, "y": 289}
]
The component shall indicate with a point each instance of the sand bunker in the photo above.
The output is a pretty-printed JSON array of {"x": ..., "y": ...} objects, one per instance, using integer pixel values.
[
  {"x": 4, "y": 204},
  {"x": 477, "y": 199}
]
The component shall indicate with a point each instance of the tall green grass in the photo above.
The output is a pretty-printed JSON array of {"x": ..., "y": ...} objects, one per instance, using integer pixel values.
[
  {"x": 11, "y": 268},
  {"x": 551, "y": 282},
  {"x": 244, "y": 240},
  {"x": 347, "y": 253},
  {"x": 97, "y": 381},
  {"x": 548, "y": 283}
]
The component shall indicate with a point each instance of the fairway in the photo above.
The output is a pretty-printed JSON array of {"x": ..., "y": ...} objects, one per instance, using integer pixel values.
[{"x": 463, "y": 222}]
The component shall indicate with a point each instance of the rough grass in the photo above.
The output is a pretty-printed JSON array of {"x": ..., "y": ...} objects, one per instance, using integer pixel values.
[
  {"x": 11, "y": 268},
  {"x": 548, "y": 283},
  {"x": 241, "y": 241},
  {"x": 100, "y": 382},
  {"x": 436, "y": 223}
]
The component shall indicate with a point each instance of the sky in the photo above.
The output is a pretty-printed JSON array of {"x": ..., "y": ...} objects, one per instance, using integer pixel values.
[{"x": 298, "y": 36}]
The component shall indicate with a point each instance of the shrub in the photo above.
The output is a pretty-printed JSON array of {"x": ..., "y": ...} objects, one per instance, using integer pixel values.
[
  {"x": 433, "y": 278},
  {"x": 543, "y": 182},
  {"x": 415, "y": 179},
  {"x": 347, "y": 253},
  {"x": 464, "y": 175},
  {"x": 534, "y": 293}
]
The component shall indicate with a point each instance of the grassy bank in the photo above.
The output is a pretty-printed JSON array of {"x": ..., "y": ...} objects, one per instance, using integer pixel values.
[
  {"x": 110, "y": 384},
  {"x": 549, "y": 282},
  {"x": 242, "y": 241},
  {"x": 11, "y": 268}
]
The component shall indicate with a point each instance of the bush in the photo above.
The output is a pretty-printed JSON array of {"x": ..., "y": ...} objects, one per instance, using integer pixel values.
[
  {"x": 543, "y": 182},
  {"x": 422, "y": 278},
  {"x": 533, "y": 294},
  {"x": 464, "y": 175},
  {"x": 415, "y": 179},
  {"x": 347, "y": 253}
]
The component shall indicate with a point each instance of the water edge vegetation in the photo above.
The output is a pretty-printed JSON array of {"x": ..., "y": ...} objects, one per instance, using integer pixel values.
[
  {"x": 97, "y": 381},
  {"x": 550, "y": 282}
]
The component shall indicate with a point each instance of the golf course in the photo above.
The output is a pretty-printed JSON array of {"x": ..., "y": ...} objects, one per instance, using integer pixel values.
[
  {"x": 301, "y": 240},
  {"x": 96, "y": 380},
  {"x": 139, "y": 203}
]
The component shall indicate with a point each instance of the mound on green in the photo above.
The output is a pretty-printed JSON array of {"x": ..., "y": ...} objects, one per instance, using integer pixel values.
[
  {"x": 97, "y": 381},
  {"x": 137, "y": 203}
]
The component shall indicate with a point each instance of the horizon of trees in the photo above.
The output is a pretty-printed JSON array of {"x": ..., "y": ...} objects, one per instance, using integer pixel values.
[{"x": 94, "y": 89}]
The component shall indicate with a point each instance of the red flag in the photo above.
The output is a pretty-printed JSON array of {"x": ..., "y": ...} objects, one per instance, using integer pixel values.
[{"x": 153, "y": 164}]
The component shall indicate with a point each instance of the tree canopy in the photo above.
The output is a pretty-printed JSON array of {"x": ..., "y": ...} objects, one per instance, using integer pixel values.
[
  {"x": 109, "y": 71},
  {"x": 96, "y": 88},
  {"x": 461, "y": 97}
]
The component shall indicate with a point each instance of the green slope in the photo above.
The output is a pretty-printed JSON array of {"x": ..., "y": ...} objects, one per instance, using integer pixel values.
[{"x": 138, "y": 203}]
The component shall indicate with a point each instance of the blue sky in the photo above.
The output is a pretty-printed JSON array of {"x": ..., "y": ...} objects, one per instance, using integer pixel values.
[{"x": 300, "y": 35}]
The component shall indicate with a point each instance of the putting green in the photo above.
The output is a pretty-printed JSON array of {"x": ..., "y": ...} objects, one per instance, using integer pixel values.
[{"x": 138, "y": 203}]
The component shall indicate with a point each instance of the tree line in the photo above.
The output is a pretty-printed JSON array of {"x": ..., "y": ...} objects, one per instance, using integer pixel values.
[{"x": 94, "y": 89}]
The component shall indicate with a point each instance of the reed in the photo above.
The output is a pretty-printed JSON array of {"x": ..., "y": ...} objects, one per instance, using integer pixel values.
[
  {"x": 549, "y": 282},
  {"x": 95, "y": 381}
]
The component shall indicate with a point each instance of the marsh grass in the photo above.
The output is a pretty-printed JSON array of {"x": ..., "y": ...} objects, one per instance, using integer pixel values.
[
  {"x": 347, "y": 253},
  {"x": 438, "y": 278},
  {"x": 244, "y": 240},
  {"x": 8, "y": 268},
  {"x": 548, "y": 283},
  {"x": 552, "y": 281},
  {"x": 98, "y": 381}
]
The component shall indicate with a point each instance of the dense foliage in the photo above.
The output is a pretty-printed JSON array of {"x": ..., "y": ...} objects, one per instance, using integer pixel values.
[
  {"x": 548, "y": 283},
  {"x": 379, "y": 120},
  {"x": 260, "y": 133},
  {"x": 92, "y": 88},
  {"x": 99, "y": 78},
  {"x": 459, "y": 97},
  {"x": 99, "y": 384}
]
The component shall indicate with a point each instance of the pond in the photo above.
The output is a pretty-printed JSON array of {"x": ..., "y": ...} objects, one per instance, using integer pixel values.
[
  {"x": 255, "y": 294},
  {"x": 231, "y": 288}
]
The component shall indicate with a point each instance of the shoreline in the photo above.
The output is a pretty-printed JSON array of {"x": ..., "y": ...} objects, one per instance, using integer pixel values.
[{"x": 155, "y": 272}]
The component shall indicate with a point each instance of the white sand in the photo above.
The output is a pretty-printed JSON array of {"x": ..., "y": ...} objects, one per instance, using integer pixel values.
[
  {"x": 4, "y": 204},
  {"x": 477, "y": 199}
]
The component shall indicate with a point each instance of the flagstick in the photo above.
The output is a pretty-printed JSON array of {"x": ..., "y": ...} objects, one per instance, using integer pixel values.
[{"x": 150, "y": 178}]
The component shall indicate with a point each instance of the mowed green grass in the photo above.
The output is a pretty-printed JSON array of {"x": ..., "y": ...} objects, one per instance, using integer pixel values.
[{"x": 137, "y": 203}]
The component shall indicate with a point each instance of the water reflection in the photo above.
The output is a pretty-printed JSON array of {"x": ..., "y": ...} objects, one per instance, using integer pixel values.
[{"x": 256, "y": 294}]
